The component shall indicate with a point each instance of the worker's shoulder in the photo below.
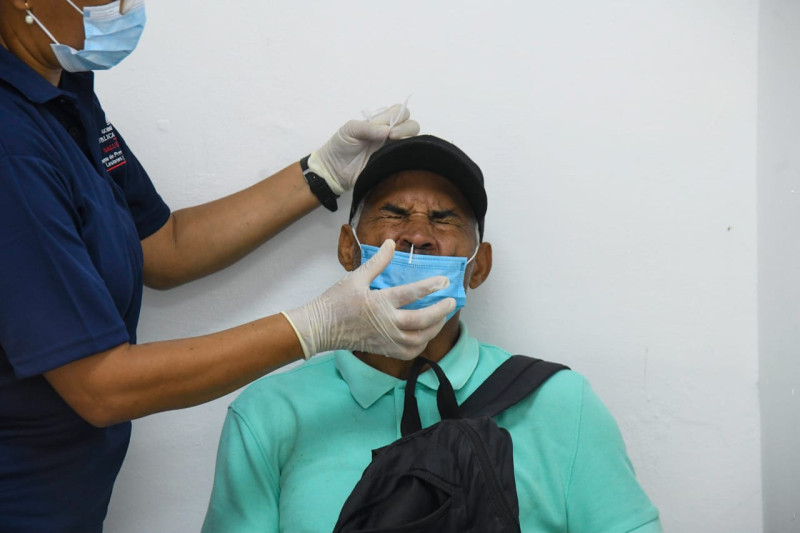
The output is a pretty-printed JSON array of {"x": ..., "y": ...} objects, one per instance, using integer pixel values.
[{"x": 23, "y": 132}]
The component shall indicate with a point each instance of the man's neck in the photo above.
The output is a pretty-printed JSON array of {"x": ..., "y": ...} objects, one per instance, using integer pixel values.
[{"x": 435, "y": 350}]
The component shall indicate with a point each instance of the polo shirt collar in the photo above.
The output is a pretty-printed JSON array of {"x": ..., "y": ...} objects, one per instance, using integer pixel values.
[
  {"x": 33, "y": 86},
  {"x": 23, "y": 78},
  {"x": 368, "y": 384}
]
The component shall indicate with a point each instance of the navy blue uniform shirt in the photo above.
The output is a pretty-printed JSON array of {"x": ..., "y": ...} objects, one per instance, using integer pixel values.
[{"x": 74, "y": 205}]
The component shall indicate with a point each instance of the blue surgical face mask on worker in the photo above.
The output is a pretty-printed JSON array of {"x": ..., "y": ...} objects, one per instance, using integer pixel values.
[
  {"x": 407, "y": 267},
  {"x": 112, "y": 32}
]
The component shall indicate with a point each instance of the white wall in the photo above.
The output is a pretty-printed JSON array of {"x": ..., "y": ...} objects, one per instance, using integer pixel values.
[
  {"x": 779, "y": 260},
  {"x": 618, "y": 142}
]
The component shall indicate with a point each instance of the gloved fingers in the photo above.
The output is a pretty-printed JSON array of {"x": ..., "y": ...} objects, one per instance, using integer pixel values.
[
  {"x": 376, "y": 264},
  {"x": 393, "y": 122},
  {"x": 411, "y": 320},
  {"x": 355, "y": 131},
  {"x": 391, "y": 115},
  {"x": 408, "y": 128},
  {"x": 407, "y": 344},
  {"x": 410, "y": 347},
  {"x": 403, "y": 295}
]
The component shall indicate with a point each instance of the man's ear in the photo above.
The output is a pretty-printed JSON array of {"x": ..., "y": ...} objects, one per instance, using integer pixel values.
[
  {"x": 482, "y": 265},
  {"x": 349, "y": 251}
]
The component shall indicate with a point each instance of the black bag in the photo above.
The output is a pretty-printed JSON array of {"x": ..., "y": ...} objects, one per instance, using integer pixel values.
[{"x": 456, "y": 475}]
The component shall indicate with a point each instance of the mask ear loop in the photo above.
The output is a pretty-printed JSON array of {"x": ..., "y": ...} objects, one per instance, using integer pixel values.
[
  {"x": 79, "y": 10},
  {"x": 478, "y": 239},
  {"x": 33, "y": 18},
  {"x": 30, "y": 18},
  {"x": 358, "y": 243},
  {"x": 355, "y": 236},
  {"x": 474, "y": 254}
]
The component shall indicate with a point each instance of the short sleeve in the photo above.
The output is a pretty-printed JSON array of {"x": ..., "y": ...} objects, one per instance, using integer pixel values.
[
  {"x": 55, "y": 307},
  {"x": 148, "y": 209},
  {"x": 246, "y": 489},
  {"x": 603, "y": 493}
]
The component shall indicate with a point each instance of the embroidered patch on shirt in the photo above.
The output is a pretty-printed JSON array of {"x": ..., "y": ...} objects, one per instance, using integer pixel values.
[{"x": 110, "y": 148}]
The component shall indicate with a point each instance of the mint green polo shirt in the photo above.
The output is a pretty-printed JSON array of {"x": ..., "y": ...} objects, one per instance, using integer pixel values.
[{"x": 295, "y": 444}]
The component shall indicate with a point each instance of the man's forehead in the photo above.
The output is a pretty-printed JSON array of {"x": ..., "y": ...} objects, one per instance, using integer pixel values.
[{"x": 420, "y": 185}]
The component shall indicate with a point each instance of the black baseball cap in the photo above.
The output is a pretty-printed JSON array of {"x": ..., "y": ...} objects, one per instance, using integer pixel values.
[{"x": 424, "y": 152}]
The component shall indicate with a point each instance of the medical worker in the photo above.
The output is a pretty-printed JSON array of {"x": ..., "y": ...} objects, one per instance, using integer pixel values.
[{"x": 82, "y": 228}]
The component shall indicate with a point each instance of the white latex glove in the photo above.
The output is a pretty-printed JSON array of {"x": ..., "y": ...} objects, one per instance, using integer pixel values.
[
  {"x": 350, "y": 316},
  {"x": 341, "y": 159}
]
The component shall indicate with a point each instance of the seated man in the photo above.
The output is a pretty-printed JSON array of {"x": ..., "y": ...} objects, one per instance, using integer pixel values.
[{"x": 295, "y": 444}]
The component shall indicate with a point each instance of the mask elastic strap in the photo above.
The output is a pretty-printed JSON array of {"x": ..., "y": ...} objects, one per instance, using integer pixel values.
[
  {"x": 474, "y": 254},
  {"x": 355, "y": 236},
  {"x": 79, "y": 10},
  {"x": 478, "y": 239},
  {"x": 39, "y": 23},
  {"x": 357, "y": 242}
]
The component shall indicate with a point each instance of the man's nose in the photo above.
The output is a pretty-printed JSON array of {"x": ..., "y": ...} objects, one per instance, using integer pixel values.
[{"x": 417, "y": 231}]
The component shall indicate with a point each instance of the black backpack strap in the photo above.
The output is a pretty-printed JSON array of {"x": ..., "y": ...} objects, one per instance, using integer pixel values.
[
  {"x": 445, "y": 397},
  {"x": 508, "y": 385}
]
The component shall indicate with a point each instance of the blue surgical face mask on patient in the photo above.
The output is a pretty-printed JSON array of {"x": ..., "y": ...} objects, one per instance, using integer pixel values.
[
  {"x": 111, "y": 32},
  {"x": 408, "y": 267}
]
